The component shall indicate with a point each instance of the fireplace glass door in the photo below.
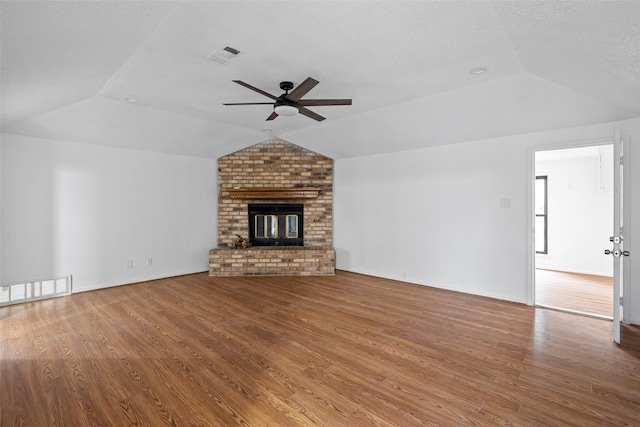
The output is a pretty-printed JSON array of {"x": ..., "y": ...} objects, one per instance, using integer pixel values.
[
  {"x": 275, "y": 224},
  {"x": 292, "y": 226}
]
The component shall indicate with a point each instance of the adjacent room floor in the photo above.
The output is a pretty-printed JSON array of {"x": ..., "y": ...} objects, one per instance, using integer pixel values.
[{"x": 575, "y": 292}]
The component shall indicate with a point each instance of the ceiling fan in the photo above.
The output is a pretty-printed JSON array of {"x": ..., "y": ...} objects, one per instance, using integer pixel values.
[{"x": 290, "y": 104}]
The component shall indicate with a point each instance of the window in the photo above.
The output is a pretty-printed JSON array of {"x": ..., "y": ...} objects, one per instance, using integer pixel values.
[{"x": 541, "y": 222}]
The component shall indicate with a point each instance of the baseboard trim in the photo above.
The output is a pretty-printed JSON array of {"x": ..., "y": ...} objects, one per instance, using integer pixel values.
[
  {"x": 135, "y": 280},
  {"x": 438, "y": 285}
]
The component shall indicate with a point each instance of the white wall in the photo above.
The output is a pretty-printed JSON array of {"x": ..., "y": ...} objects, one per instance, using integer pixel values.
[
  {"x": 85, "y": 210},
  {"x": 455, "y": 216},
  {"x": 580, "y": 212}
]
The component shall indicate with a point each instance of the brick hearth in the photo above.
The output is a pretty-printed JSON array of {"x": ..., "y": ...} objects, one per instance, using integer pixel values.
[{"x": 268, "y": 166}]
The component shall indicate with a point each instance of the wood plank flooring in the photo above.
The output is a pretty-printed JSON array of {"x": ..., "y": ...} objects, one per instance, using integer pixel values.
[
  {"x": 349, "y": 350},
  {"x": 576, "y": 292}
]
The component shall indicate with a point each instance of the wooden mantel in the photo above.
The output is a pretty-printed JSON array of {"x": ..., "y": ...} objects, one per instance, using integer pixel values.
[{"x": 274, "y": 193}]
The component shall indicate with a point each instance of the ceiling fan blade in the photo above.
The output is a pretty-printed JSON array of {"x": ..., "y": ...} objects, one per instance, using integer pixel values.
[
  {"x": 249, "y": 103},
  {"x": 316, "y": 102},
  {"x": 272, "y": 116},
  {"x": 306, "y": 112},
  {"x": 255, "y": 89},
  {"x": 302, "y": 89}
]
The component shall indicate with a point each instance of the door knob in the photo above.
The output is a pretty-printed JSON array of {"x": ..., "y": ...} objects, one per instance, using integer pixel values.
[{"x": 616, "y": 252}]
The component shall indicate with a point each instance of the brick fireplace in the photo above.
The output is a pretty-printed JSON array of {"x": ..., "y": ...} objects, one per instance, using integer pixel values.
[{"x": 271, "y": 173}]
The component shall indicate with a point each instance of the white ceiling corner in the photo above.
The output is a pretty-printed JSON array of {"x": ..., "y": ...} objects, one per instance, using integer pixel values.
[{"x": 68, "y": 66}]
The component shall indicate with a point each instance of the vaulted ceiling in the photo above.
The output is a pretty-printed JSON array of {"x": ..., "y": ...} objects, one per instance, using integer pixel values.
[{"x": 140, "y": 74}]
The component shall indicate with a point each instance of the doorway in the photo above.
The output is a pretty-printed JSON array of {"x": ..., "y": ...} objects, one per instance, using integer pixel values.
[{"x": 573, "y": 203}]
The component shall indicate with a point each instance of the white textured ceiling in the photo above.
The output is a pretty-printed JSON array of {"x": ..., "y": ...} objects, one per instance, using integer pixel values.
[{"x": 67, "y": 67}]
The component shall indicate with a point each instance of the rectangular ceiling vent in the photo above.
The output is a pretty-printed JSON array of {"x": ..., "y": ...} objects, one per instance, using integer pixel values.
[{"x": 224, "y": 55}]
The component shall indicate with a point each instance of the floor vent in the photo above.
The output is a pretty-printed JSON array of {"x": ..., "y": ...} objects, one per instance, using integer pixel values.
[{"x": 34, "y": 290}]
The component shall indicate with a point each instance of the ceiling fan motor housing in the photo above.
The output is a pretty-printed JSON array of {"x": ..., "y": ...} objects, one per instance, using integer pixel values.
[{"x": 284, "y": 101}]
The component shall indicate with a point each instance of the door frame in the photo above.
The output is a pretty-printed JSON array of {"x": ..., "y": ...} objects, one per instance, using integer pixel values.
[{"x": 531, "y": 178}]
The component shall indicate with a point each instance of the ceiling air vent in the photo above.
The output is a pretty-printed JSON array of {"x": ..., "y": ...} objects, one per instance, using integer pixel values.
[{"x": 224, "y": 55}]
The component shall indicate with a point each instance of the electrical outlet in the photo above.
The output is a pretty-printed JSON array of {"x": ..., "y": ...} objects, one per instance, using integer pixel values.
[
  {"x": 149, "y": 261},
  {"x": 129, "y": 263}
]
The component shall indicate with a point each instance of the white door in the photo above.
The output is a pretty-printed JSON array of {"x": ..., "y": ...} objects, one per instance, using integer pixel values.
[{"x": 618, "y": 252}]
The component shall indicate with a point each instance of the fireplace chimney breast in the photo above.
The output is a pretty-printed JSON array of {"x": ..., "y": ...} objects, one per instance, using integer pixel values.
[{"x": 275, "y": 172}]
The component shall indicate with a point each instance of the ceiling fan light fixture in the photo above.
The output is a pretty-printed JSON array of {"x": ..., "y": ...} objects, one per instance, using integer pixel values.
[{"x": 286, "y": 110}]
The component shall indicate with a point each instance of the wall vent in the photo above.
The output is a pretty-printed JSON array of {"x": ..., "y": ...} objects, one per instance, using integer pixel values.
[
  {"x": 34, "y": 290},
  {"x": 224, "y": 55}
]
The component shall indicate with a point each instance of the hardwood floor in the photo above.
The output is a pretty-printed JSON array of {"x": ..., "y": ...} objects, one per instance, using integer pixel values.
[
  {"x": 576, "y": 292},
  {"x": 348, "y": 350}
]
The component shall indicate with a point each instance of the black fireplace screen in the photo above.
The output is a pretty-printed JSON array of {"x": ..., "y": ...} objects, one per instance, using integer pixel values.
[{"x": 276, "y": 224}]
